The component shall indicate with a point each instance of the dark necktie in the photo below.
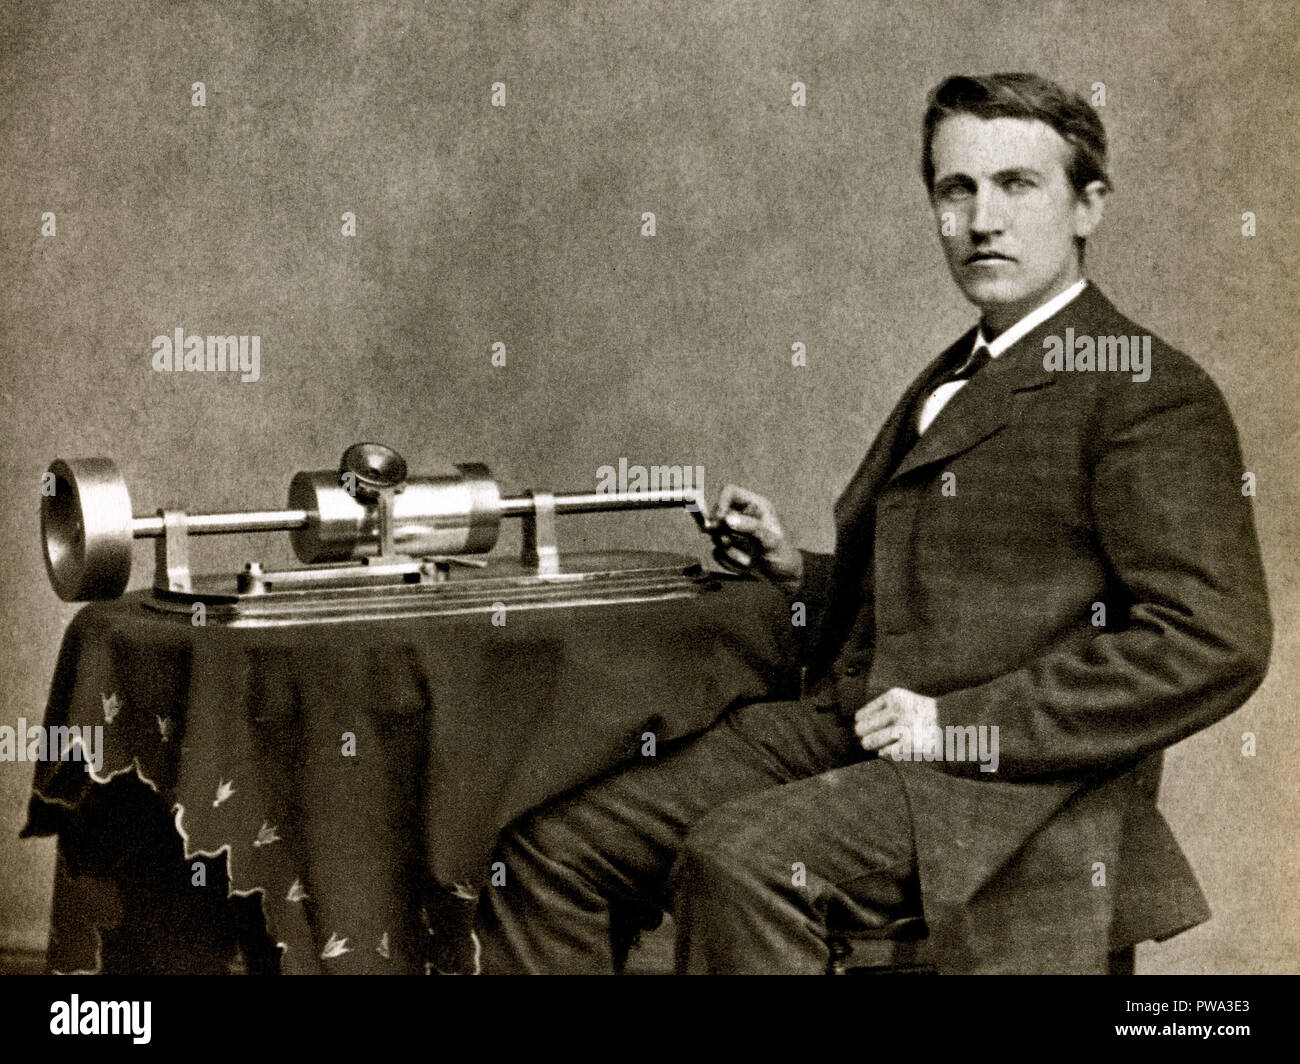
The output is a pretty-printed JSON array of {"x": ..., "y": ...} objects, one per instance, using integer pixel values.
[{"x": 974, "y": 362}]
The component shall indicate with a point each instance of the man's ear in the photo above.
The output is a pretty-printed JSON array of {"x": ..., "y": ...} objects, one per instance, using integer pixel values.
[{"x": 1090, "y": 205}]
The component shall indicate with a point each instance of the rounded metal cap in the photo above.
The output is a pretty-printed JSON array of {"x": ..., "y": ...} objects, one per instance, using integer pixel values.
[{"x": 373, "y": 467}]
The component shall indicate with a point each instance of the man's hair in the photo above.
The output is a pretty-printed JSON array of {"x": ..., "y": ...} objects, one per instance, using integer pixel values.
[{"x": 1022, "y": 96}]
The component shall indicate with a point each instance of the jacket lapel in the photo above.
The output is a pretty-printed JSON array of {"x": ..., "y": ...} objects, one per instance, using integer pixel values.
[
  {"x": 988, "y": 402},
  {"x": 876, "y": 467},
  {"x": 980, "y": 409},
  {"x": 975, "y": 413}
]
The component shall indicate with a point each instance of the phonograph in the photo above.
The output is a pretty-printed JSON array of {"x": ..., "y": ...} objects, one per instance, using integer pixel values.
[{"x": 375, "y": 542}]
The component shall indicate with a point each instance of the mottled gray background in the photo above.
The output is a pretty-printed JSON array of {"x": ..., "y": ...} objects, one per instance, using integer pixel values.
[{"x": 775, "y": 225}]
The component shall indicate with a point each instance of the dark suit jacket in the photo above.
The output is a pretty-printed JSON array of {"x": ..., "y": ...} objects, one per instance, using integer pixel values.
[{"x": 1072, "y": 488}]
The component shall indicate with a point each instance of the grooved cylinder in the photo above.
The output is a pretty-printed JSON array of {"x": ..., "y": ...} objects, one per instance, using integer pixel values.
[{"x": 431, "y": 515}]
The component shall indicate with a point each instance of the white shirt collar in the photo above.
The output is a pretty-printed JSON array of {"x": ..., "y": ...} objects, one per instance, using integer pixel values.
[{"x": 1029, "y": 322}]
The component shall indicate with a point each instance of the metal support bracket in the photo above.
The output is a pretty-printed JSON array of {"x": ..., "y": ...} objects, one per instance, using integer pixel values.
[
  {"x": 172, "y": 553},
  {"x": 539, "y": 547},
  {"x": 387, "y": 526}
]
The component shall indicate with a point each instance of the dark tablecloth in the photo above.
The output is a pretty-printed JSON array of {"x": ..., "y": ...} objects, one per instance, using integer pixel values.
[{"x": 358, "y": 774}]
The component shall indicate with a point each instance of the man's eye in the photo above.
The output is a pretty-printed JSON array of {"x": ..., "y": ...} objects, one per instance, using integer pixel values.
[
  {"x": 954, "y": 193},
  {"x": 1017, "y": 184}
]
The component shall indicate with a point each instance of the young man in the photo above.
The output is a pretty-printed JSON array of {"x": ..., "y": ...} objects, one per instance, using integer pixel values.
[{"x": 1045, "y": 554}]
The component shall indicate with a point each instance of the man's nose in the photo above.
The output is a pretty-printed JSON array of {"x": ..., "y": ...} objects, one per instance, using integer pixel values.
[{"x": 986, "y": 215}]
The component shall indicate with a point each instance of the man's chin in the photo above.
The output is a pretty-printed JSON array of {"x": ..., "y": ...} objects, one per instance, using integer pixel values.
[{"x": 992, "y": 295}]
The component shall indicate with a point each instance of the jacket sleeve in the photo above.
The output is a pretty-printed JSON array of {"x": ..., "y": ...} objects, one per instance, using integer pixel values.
[{"x": 1171, "y": 520}]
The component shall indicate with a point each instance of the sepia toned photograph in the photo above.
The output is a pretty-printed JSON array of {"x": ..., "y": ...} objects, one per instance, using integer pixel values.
[{"x": 605, "y": 488}]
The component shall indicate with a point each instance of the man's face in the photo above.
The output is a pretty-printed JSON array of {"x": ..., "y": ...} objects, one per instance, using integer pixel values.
[{"x": 1010, "y": 240}]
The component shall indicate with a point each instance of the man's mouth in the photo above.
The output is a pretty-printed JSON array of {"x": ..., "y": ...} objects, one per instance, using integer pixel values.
[{"x": 987, "y": 256}]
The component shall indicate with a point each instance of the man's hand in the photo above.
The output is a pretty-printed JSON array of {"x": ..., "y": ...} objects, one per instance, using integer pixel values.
[
  {"x": 748, "y": 512},
  {"x": 884, "y": 721}
]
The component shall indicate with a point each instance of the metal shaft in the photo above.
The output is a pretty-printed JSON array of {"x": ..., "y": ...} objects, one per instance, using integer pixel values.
[
  {"x": 214, "y": 524},
  {"x": 511, "y": 506},
  {"x": 601, "y": 502}
]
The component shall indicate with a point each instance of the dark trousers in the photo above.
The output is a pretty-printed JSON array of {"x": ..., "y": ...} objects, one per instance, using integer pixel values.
[{"x": 762, "y": 834}]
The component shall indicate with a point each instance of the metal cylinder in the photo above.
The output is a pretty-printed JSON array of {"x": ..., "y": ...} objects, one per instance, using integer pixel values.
[
  {"x": 431, "y": 515},
  {"x": 86, "y": 530}
]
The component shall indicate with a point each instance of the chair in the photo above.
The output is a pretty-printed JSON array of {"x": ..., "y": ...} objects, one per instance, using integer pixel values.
[
  {"x": 899, "y": 948},
  {"x": 643, "y": 945}
]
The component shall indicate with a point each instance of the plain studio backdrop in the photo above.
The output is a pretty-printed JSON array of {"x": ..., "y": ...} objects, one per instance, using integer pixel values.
[{"x": 522, "y": 225}]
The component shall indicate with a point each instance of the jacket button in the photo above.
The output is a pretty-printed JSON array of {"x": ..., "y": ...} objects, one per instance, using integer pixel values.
[{"x": 850, "y": 670}]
